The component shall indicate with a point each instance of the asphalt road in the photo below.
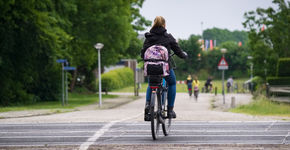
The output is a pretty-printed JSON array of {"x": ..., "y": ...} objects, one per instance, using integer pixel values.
[
  {"x": 88, "y": 135},
  {"x": 197, "y": 127}
]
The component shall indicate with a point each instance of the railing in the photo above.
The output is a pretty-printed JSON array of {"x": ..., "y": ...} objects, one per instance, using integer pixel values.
[{"x": 279, "y": 93}]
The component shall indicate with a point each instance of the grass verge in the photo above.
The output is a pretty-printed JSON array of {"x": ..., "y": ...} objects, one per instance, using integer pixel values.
[
  {"x": 74, "y": 100},
  {"x": 263, "y": 106}
]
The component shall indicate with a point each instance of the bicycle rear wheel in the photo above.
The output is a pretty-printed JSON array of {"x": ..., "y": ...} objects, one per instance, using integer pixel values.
[
  {"x": 154, "y": 116},
  {"x": 196, "y": 95}
]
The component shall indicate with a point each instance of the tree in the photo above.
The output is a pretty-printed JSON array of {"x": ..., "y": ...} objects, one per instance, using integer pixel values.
[
  {"x": 34, "y": 34},
  {"x": 206, "y": 64},
  {"x": 223, "y": 35},
  {"x": 30, "y": 41},
  {"x": 269, "y": 34},
  {"x": 109, "y": 22},
  {"x": 190, "y": 65}
]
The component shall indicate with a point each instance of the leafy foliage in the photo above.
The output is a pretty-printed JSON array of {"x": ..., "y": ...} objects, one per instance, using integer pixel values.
[
  {"x": 283, "y": 63},
  {"x": 117, "y": 78},
  {"x": 278, "y": 80},
  {"x": 269, "y": 34},
  {"x": 224, "y": 35},
  {"x": 206, "y": 65},
  {"x": 34, "y": 34}
]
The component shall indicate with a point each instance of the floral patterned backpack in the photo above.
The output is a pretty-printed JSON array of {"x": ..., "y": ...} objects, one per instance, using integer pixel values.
[{"x": 156, "y": 61}]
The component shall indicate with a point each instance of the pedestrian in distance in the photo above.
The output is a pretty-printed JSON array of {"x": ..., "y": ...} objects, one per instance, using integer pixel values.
[{"x": 230, "y": 84}]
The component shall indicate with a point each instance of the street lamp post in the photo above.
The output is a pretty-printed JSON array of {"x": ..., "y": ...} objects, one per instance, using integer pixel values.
[
  {"x": 223, "y": 50},
  {"x": 265, "y": 62},
  {"x": 252, "y": 65},
  {"x": 99, "y": 46}
]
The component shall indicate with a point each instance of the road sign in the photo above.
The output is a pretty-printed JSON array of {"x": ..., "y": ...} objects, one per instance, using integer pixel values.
[
  {"x": 69, "y": 68},
  {"x": 223, "y": 65},
  {"x": 61, "y": 61}
]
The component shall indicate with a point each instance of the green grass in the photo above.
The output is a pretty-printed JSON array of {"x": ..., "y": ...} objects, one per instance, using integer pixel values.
[
  {"x": 75, "y": 100},
  {"x": 182, "y": 88},
  {"x": 263, "y": 106}
]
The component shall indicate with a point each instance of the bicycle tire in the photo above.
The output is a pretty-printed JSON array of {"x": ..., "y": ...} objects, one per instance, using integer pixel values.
[
  {"x": 154, "y": 117},
  {"x": 195, "y": 95},
  {"x": 167, "y": 121}
]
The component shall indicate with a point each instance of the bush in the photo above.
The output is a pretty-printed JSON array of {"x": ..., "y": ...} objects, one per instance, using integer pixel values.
[
  {"x": 283, "y": 64},
  {"x": 258, "y": 82},
  {"x": 278, "y": 80},
  {"x": 117, "y": 79}
]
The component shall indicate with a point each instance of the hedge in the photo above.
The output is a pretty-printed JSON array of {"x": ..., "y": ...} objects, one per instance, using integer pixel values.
[
  {"x": 278, "y": 80},
  {"x": 116, "y": 79},
  {"x": 283, "y": 67}
]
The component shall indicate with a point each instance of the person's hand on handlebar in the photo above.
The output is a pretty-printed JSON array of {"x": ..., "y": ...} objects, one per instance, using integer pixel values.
[{"x": 185, "y": 56}]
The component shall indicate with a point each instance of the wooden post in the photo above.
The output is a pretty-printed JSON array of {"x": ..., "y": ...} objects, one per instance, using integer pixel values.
[{"x": 233, "y": 102}]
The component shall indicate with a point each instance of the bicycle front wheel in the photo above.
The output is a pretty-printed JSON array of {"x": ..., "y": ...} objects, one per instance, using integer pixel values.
[
  {"x": 154, "y": 117},
  {"x": 167, "y": 122}
]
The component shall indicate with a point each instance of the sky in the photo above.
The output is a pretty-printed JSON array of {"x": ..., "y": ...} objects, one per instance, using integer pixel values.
[{"x": 186, "y": 17}]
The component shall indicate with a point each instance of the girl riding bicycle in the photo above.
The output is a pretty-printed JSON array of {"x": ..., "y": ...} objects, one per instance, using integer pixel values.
[
  {"x": 195, "y": 84},
  {"x": 158, "y": 36}
]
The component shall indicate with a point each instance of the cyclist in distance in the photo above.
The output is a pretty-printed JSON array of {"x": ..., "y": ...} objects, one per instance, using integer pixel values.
[
  {"x": 208, "y": 85},
  {"x": 195, "y": 84},
  {"x": 189, "y": 84},
  {"x": 158, "y": 36}
]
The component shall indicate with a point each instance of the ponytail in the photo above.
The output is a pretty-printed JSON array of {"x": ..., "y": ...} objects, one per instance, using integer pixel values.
[{"x": 159, "y": 21}]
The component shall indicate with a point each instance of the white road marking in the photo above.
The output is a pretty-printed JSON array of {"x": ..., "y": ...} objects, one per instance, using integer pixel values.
[
  {"x": 101, "y": 131},
  {"x": 284, "y": 140},
  {"x": 270, "y": 126}
]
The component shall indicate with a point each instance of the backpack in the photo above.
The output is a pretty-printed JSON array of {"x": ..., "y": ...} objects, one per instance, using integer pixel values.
[
  {"x": 228, "y": 84},
  {"x": 196, "y": 88},
  {"x": 156, "y": 61}
]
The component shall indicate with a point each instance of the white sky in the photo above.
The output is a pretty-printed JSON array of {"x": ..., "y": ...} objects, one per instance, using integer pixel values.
[{"x": 184, "y": 17}]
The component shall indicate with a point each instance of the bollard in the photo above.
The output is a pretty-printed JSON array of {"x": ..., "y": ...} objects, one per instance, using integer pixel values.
[
  {"x": 202, "y": 90},
  {"x": 233, "y": 102},
  {"x": 215, "y": 90},
  {"x": 268, "y": 90}
]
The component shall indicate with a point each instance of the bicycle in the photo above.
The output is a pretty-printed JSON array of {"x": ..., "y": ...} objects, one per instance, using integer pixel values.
[
  {"x": 158, "y": 111},
  {"x": 196, "y": 92},
  {"x": 189, "y": 87},
  {"x": 208, "y": 89}
]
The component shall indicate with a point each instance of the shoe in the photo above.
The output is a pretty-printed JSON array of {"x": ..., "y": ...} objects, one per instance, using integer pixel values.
[
  {"x": 170, "y": 112},
  {"x": 146, "y": 112}
]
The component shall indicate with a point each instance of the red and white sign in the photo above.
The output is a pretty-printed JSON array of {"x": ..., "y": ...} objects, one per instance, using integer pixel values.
[{"x": 223, "y": 65}]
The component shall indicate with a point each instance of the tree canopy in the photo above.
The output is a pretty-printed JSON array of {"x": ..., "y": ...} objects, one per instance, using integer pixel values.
[
  {"x": 224, "y": 35},
  {"x": 204, "y": 63},
  {"x": 34, "y": 34},
  {"x": 269, "y": 34}
]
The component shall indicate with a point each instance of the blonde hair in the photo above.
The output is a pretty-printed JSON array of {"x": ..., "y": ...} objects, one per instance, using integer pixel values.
[
  {"x": 189, "y": 77},
  {"x": 159, "y": 21}
]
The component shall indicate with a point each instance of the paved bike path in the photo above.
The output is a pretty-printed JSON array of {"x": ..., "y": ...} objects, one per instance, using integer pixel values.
[{"x": 185, "y": 107}]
